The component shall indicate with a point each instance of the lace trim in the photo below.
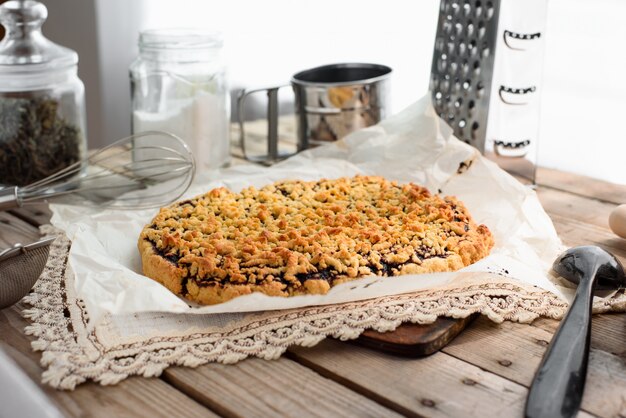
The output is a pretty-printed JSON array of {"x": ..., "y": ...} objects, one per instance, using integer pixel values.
[{"x": 73, "y": 354}]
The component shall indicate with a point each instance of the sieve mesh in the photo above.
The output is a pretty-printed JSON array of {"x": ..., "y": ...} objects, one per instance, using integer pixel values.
[{"x": 19, "y": 273}]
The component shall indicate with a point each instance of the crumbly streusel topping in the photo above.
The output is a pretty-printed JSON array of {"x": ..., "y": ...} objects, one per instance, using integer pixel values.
[{"x": 294, "y": 231}]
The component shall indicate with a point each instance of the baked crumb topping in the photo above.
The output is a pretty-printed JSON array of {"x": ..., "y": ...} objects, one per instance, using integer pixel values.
[{"x": 331, "y": 231}]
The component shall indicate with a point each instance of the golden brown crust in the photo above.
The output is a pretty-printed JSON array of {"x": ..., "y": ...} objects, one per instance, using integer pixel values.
[{"x": 295, "y": 237}]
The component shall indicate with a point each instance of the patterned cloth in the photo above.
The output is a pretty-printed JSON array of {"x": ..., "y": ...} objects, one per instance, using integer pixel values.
[{"x": 146, "y": 344}]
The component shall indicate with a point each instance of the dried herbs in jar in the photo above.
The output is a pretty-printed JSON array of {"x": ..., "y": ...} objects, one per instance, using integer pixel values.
[
  {"x": 35, "y": 141},
  {"x": 42, "y": 99}
]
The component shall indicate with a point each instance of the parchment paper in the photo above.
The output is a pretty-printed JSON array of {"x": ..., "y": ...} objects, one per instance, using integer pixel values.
[{"x": 412, "y": 146}]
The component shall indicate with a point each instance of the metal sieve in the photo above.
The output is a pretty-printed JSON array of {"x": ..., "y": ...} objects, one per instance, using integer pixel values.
[{"x": 20, "y": 267}]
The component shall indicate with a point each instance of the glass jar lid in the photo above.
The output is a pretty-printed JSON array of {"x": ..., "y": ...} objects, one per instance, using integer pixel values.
[
  {"x": 179, "y": 44},
  {"x": 24, "y": 49},
  {"x": 179, "y": 38}
]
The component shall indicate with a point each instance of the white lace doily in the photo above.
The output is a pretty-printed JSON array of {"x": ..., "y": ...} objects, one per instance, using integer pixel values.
[{"x": 146, "y": 344}]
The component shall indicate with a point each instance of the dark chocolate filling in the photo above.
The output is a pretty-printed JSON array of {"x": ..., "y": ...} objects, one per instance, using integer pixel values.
[
  {"x": 326, "y": 274},
  {"x": 172, "y": 258},
  {"x": 283, "y": 192},
  {"x": 185, "y": 202},
  {"x": 384, "y": 268},
  {"x": 387, "y": 268},
  {"x": 329, "y": 275},
  {"x": 183, "y": 284}
]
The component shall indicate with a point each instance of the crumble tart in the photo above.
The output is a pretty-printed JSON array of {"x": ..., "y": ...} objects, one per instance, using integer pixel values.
[{"x": 296, "y": 237}]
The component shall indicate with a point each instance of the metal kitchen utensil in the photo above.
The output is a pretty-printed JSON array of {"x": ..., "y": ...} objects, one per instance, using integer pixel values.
[
  {"x": 148, "y": 169},
  {"x": 20, "y": 267},
  {"x": 330, "y": 102},
  {"x": 557, "y": 389},
  {"x": 486, "y": 77},
  {"x": 462, "y": 66}
]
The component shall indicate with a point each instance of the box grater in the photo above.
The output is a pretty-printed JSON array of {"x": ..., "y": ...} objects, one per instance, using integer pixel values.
[{"x": 486, "y": 74}]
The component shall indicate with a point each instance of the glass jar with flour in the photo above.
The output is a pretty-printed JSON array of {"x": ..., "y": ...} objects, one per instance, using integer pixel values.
[{"x": 179, "y": 85}]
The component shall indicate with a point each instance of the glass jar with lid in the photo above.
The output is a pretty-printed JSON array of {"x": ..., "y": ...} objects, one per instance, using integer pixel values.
[
  {"x": 42, "y": 100},
  {"x": 179, "y": 85}
]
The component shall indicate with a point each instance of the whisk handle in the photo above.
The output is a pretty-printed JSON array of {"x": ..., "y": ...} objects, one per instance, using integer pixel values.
[{"x": 9, "y": 199}]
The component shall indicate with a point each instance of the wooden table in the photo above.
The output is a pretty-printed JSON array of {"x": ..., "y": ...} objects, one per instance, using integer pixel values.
[{"x": 484, "y": 372}]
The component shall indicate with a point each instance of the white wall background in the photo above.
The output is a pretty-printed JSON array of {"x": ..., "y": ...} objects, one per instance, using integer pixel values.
[
  {"x": 584, "y": 99},
  {"x": 267, "y": 41}
]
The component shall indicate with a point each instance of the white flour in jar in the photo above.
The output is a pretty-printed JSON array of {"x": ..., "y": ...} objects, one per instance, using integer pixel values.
[{"x": 201, "y": 121}]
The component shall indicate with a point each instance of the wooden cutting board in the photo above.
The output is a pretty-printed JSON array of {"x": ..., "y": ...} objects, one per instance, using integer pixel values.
[{"x": 414, "y": 340}]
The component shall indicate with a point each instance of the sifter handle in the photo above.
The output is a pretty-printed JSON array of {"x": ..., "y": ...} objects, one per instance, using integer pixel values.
[{"x": 272, "y": 123}]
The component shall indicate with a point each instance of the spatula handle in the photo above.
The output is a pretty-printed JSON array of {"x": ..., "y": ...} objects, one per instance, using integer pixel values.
[{"x": 557, "y": 388}]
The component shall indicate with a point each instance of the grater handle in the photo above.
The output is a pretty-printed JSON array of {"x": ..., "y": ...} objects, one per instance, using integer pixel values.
[
  {"x": 519, "y": 41},
  {"x": 516, "y": 96}
]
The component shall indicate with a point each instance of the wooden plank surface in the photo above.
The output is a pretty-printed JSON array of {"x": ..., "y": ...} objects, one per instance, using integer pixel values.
[
  {"x": 436, "y": 386},
  {"x": 484, "y": 372},
  {"x": 36, "y": 213},
  {"x": 134, "y": 397},
  {"x": 513, "y": 351},
  {"x": 517, "y": 356},
  {"x": 574, "y": 207},
  {"x": 582, "y": 185},
  {"x": 261, "y": 388},
  {"x": 608, "y": 332},
  {"x": 14, "y": 230}
]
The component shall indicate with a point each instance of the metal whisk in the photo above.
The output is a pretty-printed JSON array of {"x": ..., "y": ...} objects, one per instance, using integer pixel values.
[{"x": 145, "y": 170}]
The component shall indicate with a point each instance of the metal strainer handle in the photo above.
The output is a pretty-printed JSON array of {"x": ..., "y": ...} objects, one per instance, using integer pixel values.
[{"x": 21, "y": 249}]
